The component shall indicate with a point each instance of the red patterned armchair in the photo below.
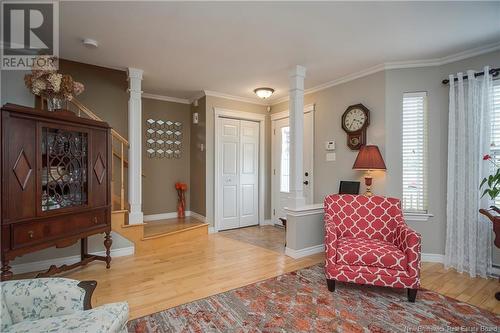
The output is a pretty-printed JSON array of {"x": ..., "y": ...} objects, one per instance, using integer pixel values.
[{"x": 368, "y": 242}]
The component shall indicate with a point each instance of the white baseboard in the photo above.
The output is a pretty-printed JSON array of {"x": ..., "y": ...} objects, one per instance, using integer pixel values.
[
  {"x": 426, "y": 257},
  {"x": 211, "y": 230},
  {"x": 162, "y": 216},
  {"x": 439, "y": 258},
  {"x": 432, "y": 257},
  {"x": 196, "y": 216},
  {"x": 173, "y": 215},
  {"x": 267, "y": 222},
  {"x": 304, "y": 252},
  {"x": 45, "y": 264}
]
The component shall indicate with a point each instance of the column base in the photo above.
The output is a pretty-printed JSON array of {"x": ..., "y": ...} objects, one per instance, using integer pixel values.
[{"x": 135, "y": 218}]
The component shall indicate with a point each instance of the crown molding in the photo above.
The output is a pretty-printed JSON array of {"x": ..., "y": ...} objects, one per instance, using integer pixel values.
[
  {"x": 166, "y": 98},
  {"x": 399, "y": 65},
  {"x": 197, "y": 96},
  {"x": 235, "y": 98}
]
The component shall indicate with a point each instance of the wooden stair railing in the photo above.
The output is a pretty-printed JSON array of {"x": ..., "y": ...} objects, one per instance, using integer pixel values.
[{"x": 82, "y": 111}]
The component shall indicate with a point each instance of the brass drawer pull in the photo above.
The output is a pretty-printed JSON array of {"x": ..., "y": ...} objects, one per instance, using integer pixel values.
[
  {"x": 31, "y": 234},
  {"x": 95, "y": 220}
]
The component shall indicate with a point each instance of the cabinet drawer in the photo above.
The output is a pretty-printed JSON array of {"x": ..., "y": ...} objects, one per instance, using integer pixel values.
[
  {"x": 88, "y": 220},
  {"x": 39, "y": 231}
]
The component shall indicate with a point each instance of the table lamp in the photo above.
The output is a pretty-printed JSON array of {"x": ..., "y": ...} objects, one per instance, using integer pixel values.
[{"x": 369, "y": 158}]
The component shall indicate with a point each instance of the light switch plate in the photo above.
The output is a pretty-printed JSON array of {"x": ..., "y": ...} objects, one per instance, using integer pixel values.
[
  {"x": 330, "y": 145},
  {"x": 330, "y": 157}
]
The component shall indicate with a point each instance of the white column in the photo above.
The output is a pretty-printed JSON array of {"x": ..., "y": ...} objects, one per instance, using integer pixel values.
[
  {"x": 135, "y": 141},
  {"x": 296, "y": 106}
]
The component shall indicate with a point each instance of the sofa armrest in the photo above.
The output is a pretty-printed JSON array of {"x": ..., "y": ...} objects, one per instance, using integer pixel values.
[
  {"x": 409, "y": 241},
  {"x": 331, "y": 237},
  {"x": 35, "y": 299}
]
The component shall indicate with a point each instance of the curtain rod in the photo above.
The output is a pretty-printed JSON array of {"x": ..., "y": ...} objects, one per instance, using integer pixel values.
[{"x": 494, "y": 72}]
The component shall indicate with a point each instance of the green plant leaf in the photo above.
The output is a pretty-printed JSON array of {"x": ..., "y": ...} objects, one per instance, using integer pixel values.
[
  {"x": 483, "y": 182},
  {"x": 490, "y": 180}
]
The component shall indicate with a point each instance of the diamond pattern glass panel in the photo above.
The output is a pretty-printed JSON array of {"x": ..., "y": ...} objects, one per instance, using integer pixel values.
[{"x": 64, "y": 168}]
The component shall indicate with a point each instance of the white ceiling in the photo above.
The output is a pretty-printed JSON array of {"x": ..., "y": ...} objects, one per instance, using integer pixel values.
[{"x": 235, "y": 47}]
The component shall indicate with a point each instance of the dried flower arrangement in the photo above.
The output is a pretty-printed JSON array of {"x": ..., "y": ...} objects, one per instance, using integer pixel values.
[{"x": 46, "y": 82}]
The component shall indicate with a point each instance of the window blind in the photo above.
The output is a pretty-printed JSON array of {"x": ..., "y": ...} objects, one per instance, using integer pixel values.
[{"x": 414, "y": 152}]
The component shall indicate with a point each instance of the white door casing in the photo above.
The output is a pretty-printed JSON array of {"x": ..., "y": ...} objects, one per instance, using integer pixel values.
[
  {"x": 279, "y": 198},
  {"x": 239, "y": 145}
]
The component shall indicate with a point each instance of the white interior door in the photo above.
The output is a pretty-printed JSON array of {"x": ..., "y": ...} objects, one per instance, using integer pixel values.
[
  {"x": 249, "y": 173},
  {"x": 239, "y": 173},
  {"x": 229, "y": 168},
  {"x": 281, "y": 163}
]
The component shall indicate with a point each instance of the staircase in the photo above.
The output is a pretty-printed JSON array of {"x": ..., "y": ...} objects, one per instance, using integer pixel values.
[{"x": 144, "y": 239}]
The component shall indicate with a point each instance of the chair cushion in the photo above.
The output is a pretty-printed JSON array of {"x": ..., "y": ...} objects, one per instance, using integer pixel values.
[
  {"x": 109, "y": 318},
  {"x": 5, "y": 320},
  {"x": 370, "y": 252}
]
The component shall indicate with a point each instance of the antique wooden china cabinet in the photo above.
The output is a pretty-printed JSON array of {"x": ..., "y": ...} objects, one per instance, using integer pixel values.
[{"x": 56, "y": 178}]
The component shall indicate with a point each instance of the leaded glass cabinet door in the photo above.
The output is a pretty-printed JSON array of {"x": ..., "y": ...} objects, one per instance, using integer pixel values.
[{"x": 64, "y": 168}]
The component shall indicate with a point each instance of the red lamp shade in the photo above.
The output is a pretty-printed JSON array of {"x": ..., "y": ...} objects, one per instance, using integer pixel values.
[{"x": 369, "y": 158}]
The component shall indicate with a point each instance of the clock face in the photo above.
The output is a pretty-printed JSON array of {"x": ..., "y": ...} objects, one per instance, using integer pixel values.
[{"x": 354, "y": 120}]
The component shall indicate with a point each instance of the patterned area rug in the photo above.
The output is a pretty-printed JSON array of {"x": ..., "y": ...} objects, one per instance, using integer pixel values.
[{"x": 300, "y": 302}]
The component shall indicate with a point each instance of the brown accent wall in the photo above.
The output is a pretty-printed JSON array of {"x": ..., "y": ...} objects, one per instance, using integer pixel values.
[
  {"x": 105, "y": 92},
  {"x": 160, "y": 174}
]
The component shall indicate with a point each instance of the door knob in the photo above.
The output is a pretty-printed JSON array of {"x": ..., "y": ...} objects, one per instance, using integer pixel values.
[
  {"x": 31, "y": 234},
  {"x": 95, "y": 220},
  {"x": 307, "y": 173},
  {"x": 306, "y": 182}
]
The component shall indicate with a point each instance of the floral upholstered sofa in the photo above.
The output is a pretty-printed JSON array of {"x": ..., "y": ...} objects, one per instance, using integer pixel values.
[{"x": 57, "y": 305}]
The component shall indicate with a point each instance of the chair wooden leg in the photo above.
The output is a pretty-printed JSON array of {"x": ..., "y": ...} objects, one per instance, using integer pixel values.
[
  {"x": 412, "y": 295},
  {"x": 331, "y": 285}
]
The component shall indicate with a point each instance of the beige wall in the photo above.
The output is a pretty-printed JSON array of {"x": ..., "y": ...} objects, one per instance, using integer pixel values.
[
  {"x": 212, "y": 102},
  {"x": 198, "y": 159},
  {"x": 382, "y": 93},
  {"x": 160, "y": 174},
  {"x": 428, "y": 79},
  {"x": 330, "y": 104}
]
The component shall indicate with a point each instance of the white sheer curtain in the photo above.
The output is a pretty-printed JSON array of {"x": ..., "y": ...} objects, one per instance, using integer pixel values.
[{"x": 468, "y": 233}]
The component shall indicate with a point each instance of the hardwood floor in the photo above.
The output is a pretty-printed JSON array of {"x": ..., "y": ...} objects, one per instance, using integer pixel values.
[
  {"x": 184, "y": 272},
  {"x": 210, "y": 264}
]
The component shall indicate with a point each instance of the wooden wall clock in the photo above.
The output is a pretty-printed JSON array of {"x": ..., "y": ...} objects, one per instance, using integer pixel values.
[{"x": 355, "y": 120}]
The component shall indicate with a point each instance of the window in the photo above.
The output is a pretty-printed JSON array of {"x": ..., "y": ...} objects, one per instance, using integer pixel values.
[
  {"x": 495, "y": 129},
  {"x": 285, "y": 159},
  {"x": 414, "y": 147}
]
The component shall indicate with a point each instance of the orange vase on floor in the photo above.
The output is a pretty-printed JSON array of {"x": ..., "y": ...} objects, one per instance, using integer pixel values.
[{"x": 181, "y": 199}]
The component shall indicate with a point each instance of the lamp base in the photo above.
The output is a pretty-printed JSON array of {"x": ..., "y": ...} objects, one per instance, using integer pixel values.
[{"x": 368, "y": 183}]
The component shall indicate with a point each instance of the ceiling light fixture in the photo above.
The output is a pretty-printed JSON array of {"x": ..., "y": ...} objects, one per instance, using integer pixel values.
[
  {"x": 92, "y": 43},
  {"x": 264, "y": 92}
]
